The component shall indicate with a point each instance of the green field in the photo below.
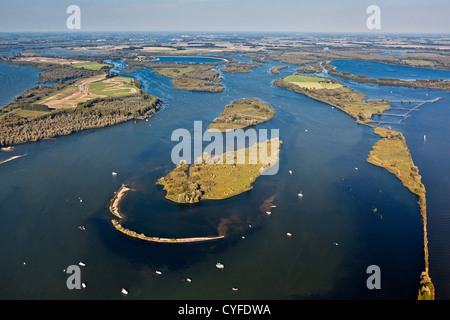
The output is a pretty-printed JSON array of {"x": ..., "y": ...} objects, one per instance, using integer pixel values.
[
  {"x": 312, "y": 82},
  {"x": 91, "y": 65},
  {"x": 241, "y": 114},
  {"x": 27, "y": 114},
  {"x": 116, "y": 86}
]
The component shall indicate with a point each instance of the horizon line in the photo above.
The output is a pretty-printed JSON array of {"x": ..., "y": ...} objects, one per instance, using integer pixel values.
[{"x": 229, "y": 31}]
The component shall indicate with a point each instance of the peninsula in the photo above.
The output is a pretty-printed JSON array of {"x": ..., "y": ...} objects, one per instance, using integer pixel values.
[{"x": 44, "y": 112}]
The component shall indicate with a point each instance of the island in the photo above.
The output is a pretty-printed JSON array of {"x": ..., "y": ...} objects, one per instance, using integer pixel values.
[
  {"x": 185, "y": 76},
  {"x": 241, "y": 114},
  {"x": 276, "y": 70},
  {"x": 220, "y": 178}
]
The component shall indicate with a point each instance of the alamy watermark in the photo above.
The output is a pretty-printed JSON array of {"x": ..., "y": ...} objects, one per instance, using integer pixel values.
[
  {"x": 73, "y": 22},
  {"x": 374, "y": 280},
  {"x": 374, "y": 20}
]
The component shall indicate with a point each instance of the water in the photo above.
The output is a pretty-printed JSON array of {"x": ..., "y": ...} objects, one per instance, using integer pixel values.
[
  {"x": 41, "y": 209},
  {"x": 373, "y": 69},
  {"x": 187, "y": 59},
  {"x": 14, "y": 80}
]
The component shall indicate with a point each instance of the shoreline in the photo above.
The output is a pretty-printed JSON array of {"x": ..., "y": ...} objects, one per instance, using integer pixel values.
[
  {"x": 115, "y": 201},
  {"x": 133, "y": 234},
  {"x": 114, "y": 209},
  {"x": 13, "y": 158}
]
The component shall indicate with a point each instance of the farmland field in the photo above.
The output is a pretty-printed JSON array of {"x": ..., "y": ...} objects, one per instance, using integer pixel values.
[{"x": 312, "y": 82}]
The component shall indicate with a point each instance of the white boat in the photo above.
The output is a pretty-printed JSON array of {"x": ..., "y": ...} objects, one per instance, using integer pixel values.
[
  {"x": 114, "y": 173},
  {"x": 300, "y": 194},
  {"x": 188, "y": 280},
  {"x": 289, "y": 234},
  {"x": 158, "y": 272},
  {"x": 219, "y": 265},
  {"x": 356, "y": 168},
  {"x": 290, "y": 171},
  {"x": 424, "y": 137},
  {"x": 234, "y": 289},
  {"x": 268, "y": 213},
  {"x": 83, "y": 285},
  {"x": 81, "y": 264},
  {"x": 124, "y": 291}
]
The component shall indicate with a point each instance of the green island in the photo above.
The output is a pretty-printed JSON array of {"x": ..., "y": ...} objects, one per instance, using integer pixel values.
[
  {"x": 391, "y": 152},
  {"x": 241, "y": 114},
  {"x": 221, "y": 178},
  {"x": 276, "y": 70},
  {"x": 186, "y": 76}
]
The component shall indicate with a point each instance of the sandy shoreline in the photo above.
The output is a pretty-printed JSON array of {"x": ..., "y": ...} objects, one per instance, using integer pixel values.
[
  {"x": 114, "y": 209},
  {"x": 114, "y": 206},
  {"x": 12, "y": 158}
]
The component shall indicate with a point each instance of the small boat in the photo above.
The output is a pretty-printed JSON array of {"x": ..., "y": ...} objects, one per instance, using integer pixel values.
[
  {"x": 300, "y": 194},
  {"x": 273, "y": 206},
  {"x": 268, "y": 213},
  {"x": 290, "y": 171},
  {"x": 306, "y": 130},
  {"x": 124, "y": 291},
  {"x": 158, "y": 272},
  {"x": 82, "y": 228},
  {"x": 289, "y": 234},
  {"x": 188, "y": 280},
  {"x": 114, "y": 173},
  {"x": 335, "y": 243},
  {"x": 81, "y": 264},
  {"x": 219, "y": 265},
  {"x": 424, "y": 137},
  {"x": 234, "y": 289},
  {"x": 83, "y": 285},
  {"x": 356, "y": 168}
]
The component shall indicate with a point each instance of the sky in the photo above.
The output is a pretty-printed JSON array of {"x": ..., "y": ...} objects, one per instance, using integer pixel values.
[{"x": 402, "y": 16}]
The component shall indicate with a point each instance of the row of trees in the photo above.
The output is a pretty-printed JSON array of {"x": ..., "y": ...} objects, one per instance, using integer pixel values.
[{"x": 101, "y": 113}]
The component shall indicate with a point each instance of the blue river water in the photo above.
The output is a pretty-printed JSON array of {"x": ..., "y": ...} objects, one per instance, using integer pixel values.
[
  {"x": 336, "y": 231},
  {"x": 15, "y": 80},
  {"x": 373, "y": 69}
]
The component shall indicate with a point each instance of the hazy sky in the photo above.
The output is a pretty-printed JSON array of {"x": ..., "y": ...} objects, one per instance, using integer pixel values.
[{"x": 414, "y": 16}]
